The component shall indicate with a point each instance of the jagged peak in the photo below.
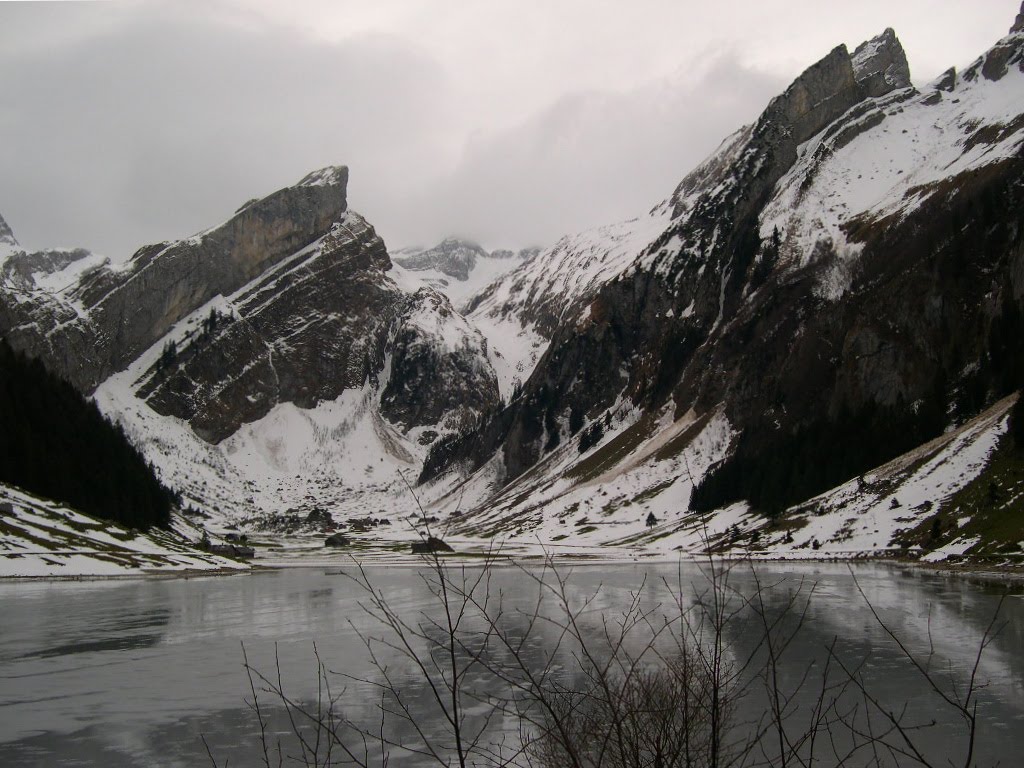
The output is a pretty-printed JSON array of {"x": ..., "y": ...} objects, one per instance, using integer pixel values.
[
  {"x": 811, "y": 102},
  {"x": 452, "y": 242},
  {"x": 332, "y": 175},
  {"x": 995, "y": 63},
  {"x": 6, "y": 235},
  {"x": 880, "y": 64}
]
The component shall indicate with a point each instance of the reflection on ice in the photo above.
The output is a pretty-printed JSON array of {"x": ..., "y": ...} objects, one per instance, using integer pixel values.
[{"x": 133, "y": 673}]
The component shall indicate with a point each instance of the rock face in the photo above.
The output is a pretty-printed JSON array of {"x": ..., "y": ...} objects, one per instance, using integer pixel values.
[
  {"x": 166, "y": 282},
  {"x": 304, "y": 331},
  {"x": 112, "y": 315},
  {"x": 880, "y": 65},
  {"x": 1018, "y": 24},
  {"x": 25, "y": 270},
  {"x": 439, "y": 371}
]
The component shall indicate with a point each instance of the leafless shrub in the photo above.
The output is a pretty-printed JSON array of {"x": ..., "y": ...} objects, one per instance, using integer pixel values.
[{"x": 638, "y": 687}]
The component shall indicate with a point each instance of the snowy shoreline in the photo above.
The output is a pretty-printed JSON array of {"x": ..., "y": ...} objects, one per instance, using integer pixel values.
[{"x": 373, "y": 559}]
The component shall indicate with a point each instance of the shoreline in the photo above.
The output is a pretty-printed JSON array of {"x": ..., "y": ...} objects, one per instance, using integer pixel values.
[{"x": 1010, "y": 574}]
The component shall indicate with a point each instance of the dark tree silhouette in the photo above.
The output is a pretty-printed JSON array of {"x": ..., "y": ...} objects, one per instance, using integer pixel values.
[{"x": 55, "y": 444}]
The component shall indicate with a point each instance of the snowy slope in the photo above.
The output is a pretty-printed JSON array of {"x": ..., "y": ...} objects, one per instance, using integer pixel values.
[
  {"x": 341, "y": 455},
  {"x": 40, "y": 538},
  {"x": 459, "y": 269},
  {"x": 519, "y": 311},
  {"x": 544, "y": 290},
  {"x": 599, "y": 502}
]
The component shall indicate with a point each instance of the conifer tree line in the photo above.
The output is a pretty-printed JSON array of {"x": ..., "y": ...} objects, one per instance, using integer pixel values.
[
  {"x": 56, "y": 444},
  {"x": 774, "y": 469}
]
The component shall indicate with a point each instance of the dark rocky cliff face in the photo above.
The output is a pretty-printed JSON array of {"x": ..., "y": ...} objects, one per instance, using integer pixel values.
[
  {"x": 166, "y": 282},
  {"x": 305, "y": 331},
  {"x": 439, "y": 376},
  {"x": 320, "y": 324}
]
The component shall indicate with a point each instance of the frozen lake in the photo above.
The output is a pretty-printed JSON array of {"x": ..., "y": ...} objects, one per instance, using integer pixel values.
[{"x": 132, "y": 673}]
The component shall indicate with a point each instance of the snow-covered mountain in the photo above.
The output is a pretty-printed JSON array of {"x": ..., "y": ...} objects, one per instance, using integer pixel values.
[
  {"x": 277, "y": 361},
  {"x": 458, "y": 268},
  {"x": 838, "y": 283},
  {"x": 833, "y": 297}
]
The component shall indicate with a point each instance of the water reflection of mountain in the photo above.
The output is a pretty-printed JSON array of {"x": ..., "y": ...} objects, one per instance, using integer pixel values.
[
  {"x": 121, "y": 633},
  {"x": 144, "y": 668}
]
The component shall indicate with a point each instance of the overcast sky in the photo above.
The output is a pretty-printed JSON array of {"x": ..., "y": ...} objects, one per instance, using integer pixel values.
[{"x": 508, "y": 121}]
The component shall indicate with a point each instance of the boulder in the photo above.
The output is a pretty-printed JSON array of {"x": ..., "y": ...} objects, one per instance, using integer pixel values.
[
  {"x": 430, "y": 545},
  {"x": 337, "y": 540}
]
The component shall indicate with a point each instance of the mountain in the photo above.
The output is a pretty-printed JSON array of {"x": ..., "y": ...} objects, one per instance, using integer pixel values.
[
  {"x": 290, "y": 306},
  {"x": 837, "y": 284},
  {"x": 458, "y": 268},
  {"x": 822, "y": 318}
]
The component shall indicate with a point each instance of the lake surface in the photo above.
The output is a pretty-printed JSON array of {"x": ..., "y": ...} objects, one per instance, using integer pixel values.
[{"x": 136, "y": 673}]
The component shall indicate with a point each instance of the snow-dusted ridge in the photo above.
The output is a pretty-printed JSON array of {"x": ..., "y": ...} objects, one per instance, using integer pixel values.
[
  {"x": 886, "y": 158},
  {"x": 787, "y": 206}
]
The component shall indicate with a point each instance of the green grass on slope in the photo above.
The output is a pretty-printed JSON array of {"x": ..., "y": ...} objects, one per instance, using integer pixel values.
[{"x": 990, "y": 507}]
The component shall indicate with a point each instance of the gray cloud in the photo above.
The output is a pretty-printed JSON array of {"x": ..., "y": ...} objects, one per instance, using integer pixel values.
[
  {"x": 591, "y": 158},
  {"x": 159, "y": 127},
  {"x": 127, "y": 123}
]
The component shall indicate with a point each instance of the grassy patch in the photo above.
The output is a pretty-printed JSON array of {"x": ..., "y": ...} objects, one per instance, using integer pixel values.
[
  {"x": 994, "y": 502},
  {"x": 612, "y": 452},
  {"x": 680, "y": 442},
  {"x": 991, "y": 507}
]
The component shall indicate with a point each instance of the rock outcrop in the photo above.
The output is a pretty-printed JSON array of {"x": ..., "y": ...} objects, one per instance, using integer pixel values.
[
  {"x": 163, "y": 283},
  {"x": 304, "y": 331},
  {"x": 880, "y": 65},
  {"x": 24, "y": 269},
  {"x": 439, "y": 373}
]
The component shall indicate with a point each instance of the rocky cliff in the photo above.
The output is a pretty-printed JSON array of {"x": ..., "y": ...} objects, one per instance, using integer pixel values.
[{"x": 109, "y": 315}]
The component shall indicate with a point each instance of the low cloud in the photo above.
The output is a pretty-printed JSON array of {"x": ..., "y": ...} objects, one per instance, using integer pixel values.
[
  {"x": 591, "y": 158},
  {"x": 127, "y": 123},
  {"x": 155, "y": 128}
]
